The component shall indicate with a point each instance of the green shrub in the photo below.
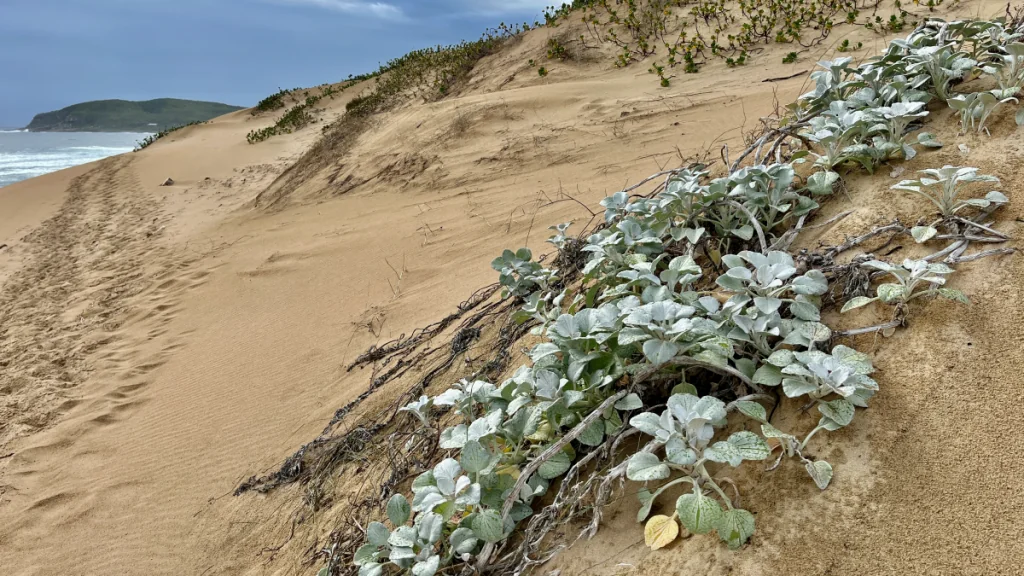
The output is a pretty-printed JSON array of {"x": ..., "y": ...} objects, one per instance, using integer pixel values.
[
  {"x": 270, "y": 103},
  {"x": 152, "y": 138}
]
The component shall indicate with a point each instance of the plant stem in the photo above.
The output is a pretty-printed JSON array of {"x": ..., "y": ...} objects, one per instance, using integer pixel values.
[
  {"x": 809, "y": 436},
  {"x": 709, "y": 480},
  {"x": 754, "y": 222}
]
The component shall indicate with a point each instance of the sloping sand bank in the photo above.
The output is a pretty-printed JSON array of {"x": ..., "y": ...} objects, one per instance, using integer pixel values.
[{"x": 158, "y": 345}]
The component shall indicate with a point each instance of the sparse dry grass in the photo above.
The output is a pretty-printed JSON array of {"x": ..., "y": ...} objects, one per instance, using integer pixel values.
[{"x": 460, "y": 125}]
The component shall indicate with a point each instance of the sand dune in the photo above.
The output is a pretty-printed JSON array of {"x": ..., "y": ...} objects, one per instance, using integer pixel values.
[{"x": 159, "y": 345}]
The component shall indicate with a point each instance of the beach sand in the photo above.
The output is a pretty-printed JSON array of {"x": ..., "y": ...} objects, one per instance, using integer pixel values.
[{"x": 159, "y": 345}]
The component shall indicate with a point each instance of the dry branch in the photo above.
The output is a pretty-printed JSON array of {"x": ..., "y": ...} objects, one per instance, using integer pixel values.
[
  {"x": 984, "y": 254},
  {"x": 868, "y": 330},
  {"x": 485, "y": 555}
]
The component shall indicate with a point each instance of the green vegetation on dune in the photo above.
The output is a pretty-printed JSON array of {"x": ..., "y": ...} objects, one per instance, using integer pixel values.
[
  {"x": 152, "y": 138},
  {"x": 429, "y": 74},
  {"x": 127, "y": 116},
  {"x": 685, "y": 318},
  {"x": 299, "y": 115}
]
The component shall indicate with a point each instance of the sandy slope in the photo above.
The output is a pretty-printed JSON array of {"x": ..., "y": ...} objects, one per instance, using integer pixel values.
[
  {"x": 159, "y": 345},
  {"x": 88, "y": 319}
]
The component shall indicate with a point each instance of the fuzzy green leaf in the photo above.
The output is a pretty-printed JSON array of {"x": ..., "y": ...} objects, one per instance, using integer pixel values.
[
  {"x": 856, "y": 302},
  {"x": 923, "y": 234},
  {"x": 677, "y": 451},
  {"x": 463, "y": 540},
  {"x": 644, "y": 467},
  {"x": 660, "y": 351},
  {"x": 816, "y": 331},
  {"x": 736, "y": 527},
  {"x": 859, "y": 361},
  {"x": 403, "y": 537},
  {"x": 364, "y": 570},
  {"x": 646, "y": 502},
  {"x": 821, "y": 473},
  {"x": 996, "y": 197},
  {"x": 828, "y": 424},
  {"x": 613, "y": 423},
  {"x": 630, "y": 335},
  {"x": 424, "y": 481},
  {"x": 430, "y": 526},
  {"x": 698, "y": 513},
  {"x": 821, "y": 183},
  {"x": 366, "y": 554},
  {"x": 684, "y": 388},
  {"x": 891, "y": 293},
  {"x": 475, "y": 458},
  {"x": 794, "y": 387},
  {"x": 768, "y": 375},
  {"x": 398, "y": 510},
  {"x": 555, "y": 466},
  {"x": 745, "y": 232},
  {"x": 805, "y": 311},
  {"x": 454, "y": 437},
  {"x": 543, "y": 350},
  {"x": 781, "y": 358},
  {"x": 839, "y": 411},
  {"x": 954, "y": 295},
  {"x": 629, "y": 402},
  {"x": 377, "y": 534},
  {"x": 749, "y": 446},
  {"x": 752, "y": 410},
  {"x": 488, "y": 526},
  {"x": 723, "y": 452},
  {"x": 928, "y": 139},
  {"x": 593, "y": 435},
  {"x": 402, "y": 555},
  {"x": 428, "y": 567},
  {"x": 647, "y": 422},
  {"x": 813, "y": 283},
  {"x": 767, "y": 305},
  {"x": 520, "y": 512}
]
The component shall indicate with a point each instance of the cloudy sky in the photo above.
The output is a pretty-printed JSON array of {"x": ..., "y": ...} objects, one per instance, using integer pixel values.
[{"x": 54, "y": 53}]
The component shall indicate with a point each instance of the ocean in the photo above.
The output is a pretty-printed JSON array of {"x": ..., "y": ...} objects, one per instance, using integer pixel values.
[{"x": 25, "y": 155}]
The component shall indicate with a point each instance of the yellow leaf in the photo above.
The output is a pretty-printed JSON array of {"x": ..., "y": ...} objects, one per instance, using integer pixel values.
[
  {"x": 660, "y": 531},
  {"x": 716, "y": 256},
  {"x": 543, "y": 433},
  {"x": 509, "y": 470}
]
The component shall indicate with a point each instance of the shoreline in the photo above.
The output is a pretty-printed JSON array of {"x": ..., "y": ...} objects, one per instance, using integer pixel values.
[{"x": 27, "y": 155}]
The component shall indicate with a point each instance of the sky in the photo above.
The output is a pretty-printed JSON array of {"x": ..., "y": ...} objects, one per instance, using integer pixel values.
[{"x": 54, "y": 53}]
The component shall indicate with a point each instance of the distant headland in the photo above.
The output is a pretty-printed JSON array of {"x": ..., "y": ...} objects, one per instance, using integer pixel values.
[{"x": 128, "y": 116}]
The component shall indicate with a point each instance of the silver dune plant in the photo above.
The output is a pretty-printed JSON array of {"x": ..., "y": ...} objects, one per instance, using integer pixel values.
[
  {"x": 685, "y": 317},
  {"x": 943, "y": 187}
]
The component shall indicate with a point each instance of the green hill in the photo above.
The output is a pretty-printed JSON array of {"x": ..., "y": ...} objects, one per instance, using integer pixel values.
[{"x": 126, "y": 116}]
